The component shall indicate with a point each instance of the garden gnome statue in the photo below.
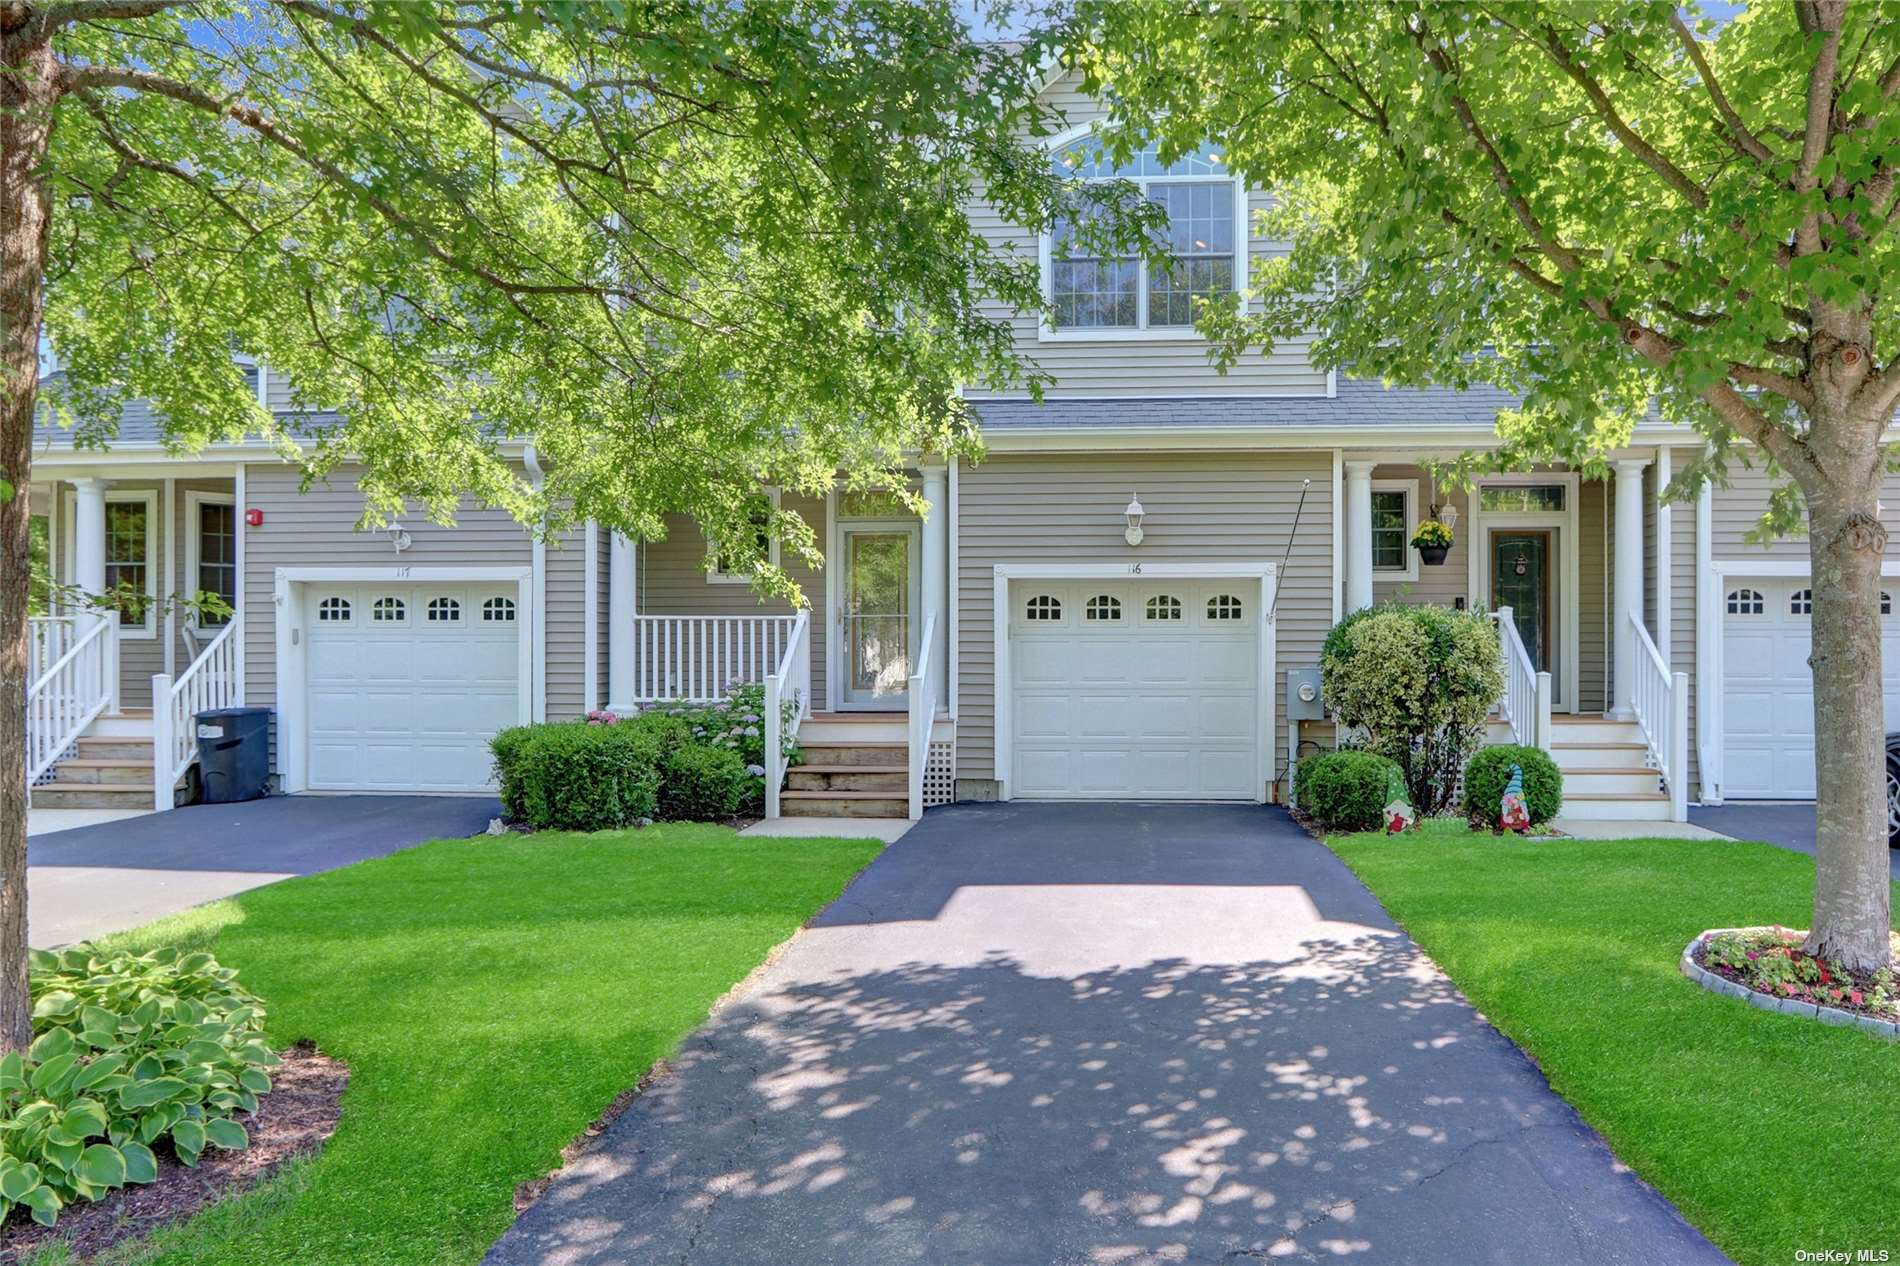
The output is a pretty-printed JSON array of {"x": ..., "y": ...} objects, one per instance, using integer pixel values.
[
  {"x": 1512, "y": 813},
  {"x": 1398, "y": 808}
]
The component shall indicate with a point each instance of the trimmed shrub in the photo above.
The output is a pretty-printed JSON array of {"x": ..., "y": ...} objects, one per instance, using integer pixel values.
[
  {"x": 1489, "y": 771},
  {"x": 1345, "y": 791},
  {"x": 574, "y": 776},
  {"x": 1418, "y": 683},
  {"x": 130, "y": 1051},
  {"x": 702, "y": 784}
]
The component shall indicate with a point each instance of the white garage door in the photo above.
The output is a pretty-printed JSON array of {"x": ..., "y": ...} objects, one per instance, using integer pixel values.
[
  {"x": 405, "y": 684},
  {"x": 1768, "y": 693},
  {"x": 1135, "y": 690}
]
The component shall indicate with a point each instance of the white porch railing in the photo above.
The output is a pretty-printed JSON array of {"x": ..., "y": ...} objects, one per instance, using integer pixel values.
[
  {"x": 73, "y": 690},
  {"x": 1526, "y": 702},
  {"x": 48, "y": 638},
  {"x": 792, "y": 675},
  {"x": 1661, "y": 702},
  {"x": 922, "y": 704},
  {"x": 211, "y": 681},
  {"x": 696, "y": 657}
]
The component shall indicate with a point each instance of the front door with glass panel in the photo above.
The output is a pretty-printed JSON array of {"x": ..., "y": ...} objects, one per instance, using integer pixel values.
[
  {"x": 1520, "y": 580},
  {"x": 875, "y": 621}
]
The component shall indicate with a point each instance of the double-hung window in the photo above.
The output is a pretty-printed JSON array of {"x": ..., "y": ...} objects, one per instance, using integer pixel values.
[
  {"x": 1093, "y": 292},
  {"x": 212, "y": 551},
  {"x": 735, "y": 566},
  {"x": 1394, "y": 519}
]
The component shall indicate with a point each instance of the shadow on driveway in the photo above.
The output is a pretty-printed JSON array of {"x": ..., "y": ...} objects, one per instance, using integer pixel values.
[
  {"x": 1100, "y": 1035},
  {"x": 93, "y": 880},
  {"x": 1789, "y": 824}
]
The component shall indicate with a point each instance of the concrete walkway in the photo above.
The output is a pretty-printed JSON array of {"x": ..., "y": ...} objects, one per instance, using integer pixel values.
[
  {"x": 1105, "y": 1035},
  {"x": 92, "y": 880}
]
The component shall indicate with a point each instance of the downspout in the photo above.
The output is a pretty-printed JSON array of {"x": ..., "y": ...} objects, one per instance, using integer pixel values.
[{"x": 538, "y": 583}]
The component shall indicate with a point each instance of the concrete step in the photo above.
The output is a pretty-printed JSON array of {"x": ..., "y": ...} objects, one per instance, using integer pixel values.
[
  {"x": 1629, "y": 780},
  {"x": 890, "y": 779},
  {"x": 1597, "y": 755},
  {"x": 842, "y": 804},
  {"x": 120, "y": 773},
  {"x": 61, "y": 794},
  {"x": 1639, "y": 806},
  {"x": 827, "y": 752},
  {"x": 96, "y": 747}
]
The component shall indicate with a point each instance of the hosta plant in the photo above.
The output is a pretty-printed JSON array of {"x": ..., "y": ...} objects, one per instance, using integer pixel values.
[{"x": 130, "y": 1051}]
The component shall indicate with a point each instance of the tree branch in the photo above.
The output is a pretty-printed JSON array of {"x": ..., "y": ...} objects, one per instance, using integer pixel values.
[{"x": 1745, "y": 140}]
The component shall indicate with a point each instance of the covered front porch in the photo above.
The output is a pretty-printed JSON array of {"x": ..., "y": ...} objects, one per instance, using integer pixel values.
[
  {"x": 1577, "y": 572},
  {"x": 864, "y": 661},
  {"x": 119, "y": 658}
]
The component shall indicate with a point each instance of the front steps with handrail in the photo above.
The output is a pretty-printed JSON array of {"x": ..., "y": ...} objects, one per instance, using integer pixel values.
[
  {"x": 1603, "y": 761},
  {"x": 110, "y": 766}
]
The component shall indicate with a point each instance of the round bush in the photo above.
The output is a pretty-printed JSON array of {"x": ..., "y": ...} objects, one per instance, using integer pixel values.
[
  {"x": 1487, "y": 773},
  {"x": 702, "y": 784},
  {"x": 571, "y": 776},
  {"x": 1345, "y": 791}
]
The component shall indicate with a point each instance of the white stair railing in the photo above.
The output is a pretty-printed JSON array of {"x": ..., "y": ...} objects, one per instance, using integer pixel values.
[
  {"x": 697, "y": 657},
  {"x": 73, "y": 690},
  {"x": 922, "y": 705},
  {"x": 211, "y": 681},
  {"x": 793, "y": 678},
  {"x": 1526, "y": 702},
  {"x": 48, "y": 638},
  {"x": 1661, "y": 702}
]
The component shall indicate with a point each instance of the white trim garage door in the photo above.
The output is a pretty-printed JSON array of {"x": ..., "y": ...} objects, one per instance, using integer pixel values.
[
  {"x": 1768, "y": 692},
  {"x": 1134, "y": 690},
  {"x": 405, "y": 684}
]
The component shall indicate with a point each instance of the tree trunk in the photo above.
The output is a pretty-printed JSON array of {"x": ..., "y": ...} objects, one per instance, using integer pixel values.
[
  {"x": 27, "y": 92},
  {"x": 1845, "y": 542}
]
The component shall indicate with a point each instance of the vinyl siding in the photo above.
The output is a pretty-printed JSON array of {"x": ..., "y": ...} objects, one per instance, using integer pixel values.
[
  {"x": 1200, "y": 508},
  {"x": 1737, "y": 508},
  {"x": 1130, "y": 367},
  {"x": 671, "y": 580},
  {"x": 1442, "y": 585},
  {"x": 318, "y": 529},
  {"x": 566, "y": 628},
  {"x": 1682, "y": 627},
  {"x": 1596, "y": 529}
]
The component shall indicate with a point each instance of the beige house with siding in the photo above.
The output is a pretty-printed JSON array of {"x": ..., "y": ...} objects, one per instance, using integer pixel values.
[{"x": 1122, "y": 599}]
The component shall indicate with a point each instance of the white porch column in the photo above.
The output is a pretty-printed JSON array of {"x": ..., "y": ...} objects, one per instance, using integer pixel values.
[
  {"x": 936, "y": 567},
  {"x": 89, "y": 535},
  {"x": 1358, "y": 512},
  {"x": 620, "y": 615},
  {"x": 1628, "y": 580}
]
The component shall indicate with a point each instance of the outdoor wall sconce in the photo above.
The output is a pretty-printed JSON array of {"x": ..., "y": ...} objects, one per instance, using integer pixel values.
[
  {"x": 1446, "y": 514},
  {"x": 1134, "y": 513},
  {"x": 399, "y": 537}
]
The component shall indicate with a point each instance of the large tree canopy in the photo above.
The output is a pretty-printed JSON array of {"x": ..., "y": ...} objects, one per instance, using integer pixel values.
[
  {"x": 1597, "y": 206},
  {"x": 685, "y": 250},
  {"x": 683, "y": 247}
]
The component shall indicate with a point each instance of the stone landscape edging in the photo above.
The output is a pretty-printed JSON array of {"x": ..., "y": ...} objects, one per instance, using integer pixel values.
[{"x": 1768, "y": 1002}]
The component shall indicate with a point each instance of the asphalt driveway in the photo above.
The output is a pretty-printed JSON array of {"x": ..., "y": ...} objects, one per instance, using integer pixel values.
[
  {"x": 1787, "y": 823},
  {"x": 92, "y": 880},
  {"x": 1101, "y": 1034}
]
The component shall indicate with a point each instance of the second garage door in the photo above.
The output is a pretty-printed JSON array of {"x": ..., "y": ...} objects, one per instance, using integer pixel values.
[
  {"x": 1135, "y": 690},
  {"x": 1768, "y": 692},
  {"x": 405, "y": 684}
]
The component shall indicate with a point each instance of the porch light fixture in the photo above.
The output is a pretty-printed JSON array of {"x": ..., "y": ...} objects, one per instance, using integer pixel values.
[
  {"x": 1134, "y": 513},
  {"x": 1446, "y": 514}
]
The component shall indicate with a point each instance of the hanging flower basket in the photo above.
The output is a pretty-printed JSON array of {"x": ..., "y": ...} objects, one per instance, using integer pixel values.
[{"x": 1432, "y": 541}]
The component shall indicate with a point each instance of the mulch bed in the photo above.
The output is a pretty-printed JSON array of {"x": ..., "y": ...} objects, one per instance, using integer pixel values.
[
  {"x": 1852, "y": 992},
  {"x": 293, "y": 1120}
]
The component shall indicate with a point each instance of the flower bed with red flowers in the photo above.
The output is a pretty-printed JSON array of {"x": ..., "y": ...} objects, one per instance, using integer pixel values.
[{"x": 1771, "y": 961}]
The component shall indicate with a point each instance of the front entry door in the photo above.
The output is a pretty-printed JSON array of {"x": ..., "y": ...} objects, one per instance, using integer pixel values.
[
  {"x": 879, "y": 596},
  {"x": 1520, "y": 580}
]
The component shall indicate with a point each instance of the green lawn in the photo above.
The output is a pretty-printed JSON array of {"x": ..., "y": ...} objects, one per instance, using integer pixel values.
[
  {"x": 1769, "y": 1132},
  {"x": 491, "y": 997}
]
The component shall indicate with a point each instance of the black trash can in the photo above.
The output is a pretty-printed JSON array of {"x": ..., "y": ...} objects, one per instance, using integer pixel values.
[{"x": 233, "y": 753}]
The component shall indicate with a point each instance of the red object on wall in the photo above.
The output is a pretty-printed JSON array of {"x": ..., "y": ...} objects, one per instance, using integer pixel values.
[{"x": 254, "y": 517}]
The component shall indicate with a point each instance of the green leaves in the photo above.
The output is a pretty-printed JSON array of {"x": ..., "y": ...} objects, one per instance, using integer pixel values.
[{"x": 134, "y": 1049}]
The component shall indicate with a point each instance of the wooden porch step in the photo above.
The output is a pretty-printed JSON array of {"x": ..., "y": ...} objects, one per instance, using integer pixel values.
[
  {"x": 130, "y": 772},
  {"x": 853, "y": 778},
  {"x": 110, "y": 746},
  {"x": 852, "y": 769},
  {"x": 843, "y": 804},
  {"x": 61, "y": 794},
  {"x": 830, "y": 752}
]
